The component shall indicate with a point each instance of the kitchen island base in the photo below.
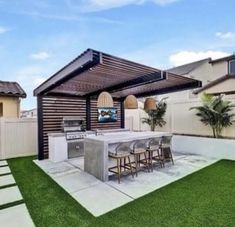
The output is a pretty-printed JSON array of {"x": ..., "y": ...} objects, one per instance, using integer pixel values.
[{"x": 96, "y": 160}]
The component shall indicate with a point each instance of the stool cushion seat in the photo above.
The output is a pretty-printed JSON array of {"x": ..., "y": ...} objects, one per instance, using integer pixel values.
[
  {"x": 138, "y": 151},
  {"x": 119, "y": 154},
  {"x": 153, "y": 147},
  {"x": 165, "y": 145}
]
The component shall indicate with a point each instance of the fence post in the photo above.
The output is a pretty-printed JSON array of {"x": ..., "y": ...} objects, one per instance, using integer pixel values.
[{"x": 2, "y": 138}]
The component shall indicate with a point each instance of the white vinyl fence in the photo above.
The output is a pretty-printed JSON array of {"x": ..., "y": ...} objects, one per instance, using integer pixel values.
[{"x": 18, "y": 137}]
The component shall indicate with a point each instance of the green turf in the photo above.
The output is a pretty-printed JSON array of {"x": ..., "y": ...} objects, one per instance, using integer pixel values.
[{"x": 205, "y": 198}]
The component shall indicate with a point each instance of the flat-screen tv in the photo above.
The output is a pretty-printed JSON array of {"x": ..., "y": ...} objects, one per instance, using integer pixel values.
[{"x": 107, "y": 114}]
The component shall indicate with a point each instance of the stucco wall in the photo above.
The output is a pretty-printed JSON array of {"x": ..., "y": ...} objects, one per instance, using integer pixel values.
[
  {"x": 11, "y": 106},
  {"x": 203, "y": 73},
  {"x": 219, "y": 69},
  {"x": 185, "y": 121},
  {"x": 180, "y": 119},
  {"x": 210, "y": 147},
  {"x": 133, "y": 120}
]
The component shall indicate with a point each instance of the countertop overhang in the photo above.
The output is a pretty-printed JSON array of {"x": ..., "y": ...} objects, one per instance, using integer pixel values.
[{"x": 117, "y": 137}]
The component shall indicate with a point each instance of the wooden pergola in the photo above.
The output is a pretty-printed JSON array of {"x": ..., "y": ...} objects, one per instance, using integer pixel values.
[
  {"x": 94, "y": 71},
  {"x": 73, "y": 90}
]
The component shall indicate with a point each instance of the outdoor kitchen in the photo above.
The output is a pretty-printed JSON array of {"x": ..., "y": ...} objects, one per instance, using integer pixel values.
[
  {"x": 81, "y": 113},
  {"x": 69, "y": 143},
  {"x": 93, "y": 145}
]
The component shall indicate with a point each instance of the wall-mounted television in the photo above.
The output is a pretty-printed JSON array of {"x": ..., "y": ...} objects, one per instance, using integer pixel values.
[{"x": 107, "y": 114}]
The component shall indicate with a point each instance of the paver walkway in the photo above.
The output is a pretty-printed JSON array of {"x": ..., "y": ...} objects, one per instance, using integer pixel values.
[
  {"x": 101, "y": 197},
  {"x": 12, "y": 214},
  {"x": 16, "y": 216}
]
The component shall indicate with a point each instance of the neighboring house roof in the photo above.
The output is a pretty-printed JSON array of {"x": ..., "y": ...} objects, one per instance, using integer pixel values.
[
  {"x": 216, "y": 82},
  {"x": 11, "y": 89},
  {"x": 228, "y": 58},
  {"x": 187, "y": 68}
]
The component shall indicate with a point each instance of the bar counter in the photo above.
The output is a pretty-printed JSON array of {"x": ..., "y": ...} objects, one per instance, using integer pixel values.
[{"x": 96, "y": 149}]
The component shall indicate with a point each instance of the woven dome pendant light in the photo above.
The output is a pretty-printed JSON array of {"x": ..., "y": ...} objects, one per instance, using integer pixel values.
[
  {"x": 105, "y": 100},
  {"x": 150, "y": 104},
  {"x": 131, "y": 102}
]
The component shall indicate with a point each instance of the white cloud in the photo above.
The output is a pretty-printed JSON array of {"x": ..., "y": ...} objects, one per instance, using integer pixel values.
[
  {"x": 106, "y": 4},
  {"x": 164, "y": 2},
  {"x": 225, "y": 35},
  {"x": 37, "y": 80},
  {"x": 184, "y": 57},
  {"x": 97, "y": 5},
  {"x": 30, "y": 75},
  {"x": 40, "y": 56},
  {"x": 70, "y": 17},
  {"x": 3, "y": 30}
]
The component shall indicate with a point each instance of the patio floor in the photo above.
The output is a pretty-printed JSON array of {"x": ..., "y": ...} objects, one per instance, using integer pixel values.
[{"x": 101, "y": 197}]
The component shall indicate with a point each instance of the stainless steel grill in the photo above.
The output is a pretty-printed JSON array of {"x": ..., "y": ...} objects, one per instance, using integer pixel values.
[
  {"x": 75, "y": 135},
  {"x": 75, "y": 132},
  {"x": 73, "y": 124}
]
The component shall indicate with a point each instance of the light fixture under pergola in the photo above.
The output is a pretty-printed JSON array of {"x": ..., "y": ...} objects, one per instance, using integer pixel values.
[
  {"x": 150, "y": 104},
  {"x": 131, "y": 102},
  {"x": 104, "y": 100}
]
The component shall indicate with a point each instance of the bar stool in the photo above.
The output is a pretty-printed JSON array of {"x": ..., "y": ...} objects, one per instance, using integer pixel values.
[
  {"x": 122, "y": 155},
  {"x": 166, "y": 149},
  {"x": 140, "y": 148},
  {"x": 154, "y": 152}
]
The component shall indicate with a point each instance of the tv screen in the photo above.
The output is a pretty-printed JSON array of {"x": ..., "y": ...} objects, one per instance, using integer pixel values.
[{"x": 107, "y": 114}]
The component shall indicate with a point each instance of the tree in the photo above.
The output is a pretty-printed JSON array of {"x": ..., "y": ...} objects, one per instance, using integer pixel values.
[
  {"x": 215, "y": 112},
  {"x": 156, "y": 117}
]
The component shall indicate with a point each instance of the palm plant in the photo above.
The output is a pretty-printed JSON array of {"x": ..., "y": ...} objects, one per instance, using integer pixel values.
[
  {"x": 215, "y": 112},
  {"x": 156, "y": 117}
]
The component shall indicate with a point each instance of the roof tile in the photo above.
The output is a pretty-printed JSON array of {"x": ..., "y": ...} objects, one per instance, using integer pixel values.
[{"x": 11, "y": 89}]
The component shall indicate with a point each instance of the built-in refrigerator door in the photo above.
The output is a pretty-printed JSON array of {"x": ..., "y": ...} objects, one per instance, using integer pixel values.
[{"x": 75, "y": 149}]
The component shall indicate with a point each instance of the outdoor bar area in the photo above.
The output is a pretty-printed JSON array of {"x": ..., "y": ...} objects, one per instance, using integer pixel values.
[{"x": 81, "y": 112}]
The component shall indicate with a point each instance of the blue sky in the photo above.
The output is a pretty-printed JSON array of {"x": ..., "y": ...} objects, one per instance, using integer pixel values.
[{"x": 39, "y": 37}]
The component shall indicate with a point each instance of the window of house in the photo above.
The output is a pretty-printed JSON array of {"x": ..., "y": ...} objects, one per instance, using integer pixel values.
[
  {"x": 232, "y": 67},
  {"x": 1, "y": 109}
]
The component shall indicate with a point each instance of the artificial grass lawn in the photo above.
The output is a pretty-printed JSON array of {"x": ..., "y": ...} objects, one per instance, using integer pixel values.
[{"x": 205, "y": 198}]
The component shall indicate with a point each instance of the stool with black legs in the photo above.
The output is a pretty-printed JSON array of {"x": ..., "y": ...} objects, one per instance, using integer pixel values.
[{"x": 122, "y": 155}]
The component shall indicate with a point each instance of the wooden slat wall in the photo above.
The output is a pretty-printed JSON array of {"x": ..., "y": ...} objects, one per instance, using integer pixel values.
[
  {"x": 110, "y": 125},
  {"x": 55, "y": 108}
]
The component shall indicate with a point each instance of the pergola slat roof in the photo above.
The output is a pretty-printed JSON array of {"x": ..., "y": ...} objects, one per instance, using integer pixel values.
[{"x": 94, "y": 71}]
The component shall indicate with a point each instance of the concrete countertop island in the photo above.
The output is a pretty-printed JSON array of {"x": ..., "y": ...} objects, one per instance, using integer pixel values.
[{"x": 96, "y": 149}]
